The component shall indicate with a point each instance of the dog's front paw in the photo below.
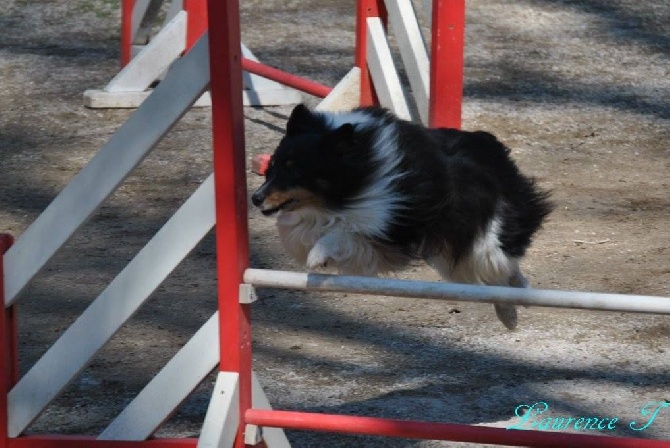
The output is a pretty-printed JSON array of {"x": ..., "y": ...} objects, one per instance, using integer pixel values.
[{"x": 318, "y": 257}]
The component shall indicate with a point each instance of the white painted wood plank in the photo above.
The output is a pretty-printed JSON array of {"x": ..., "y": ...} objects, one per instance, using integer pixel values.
[
  {"x": 255, "y": 82},
  {"x": 259, "y": 91},
  {"x": 127, "y": 147},
  {"x": 223, "y": 414},
  {"x": 346, "y": 95},
  {"x": 274, "y": 437},
  {"x": 139, "y": 11},
  {"x": 175, "y": 7},
  {"x": 413, "y": 52},
  {"x": 135, "y": 50},
  {"x": 155, "y": 57},
  {"x": 111, "y": 309},
  {"x": 170, "y": 387},
  {"x": 99, "y": 99},
  {"x": 384, "y": 76},
  {"x": 271, "y": 97},
  {"x": 143, "y": 34}
]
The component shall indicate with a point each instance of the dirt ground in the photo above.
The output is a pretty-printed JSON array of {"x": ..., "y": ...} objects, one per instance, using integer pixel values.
[{"x": 579, "y": 89}]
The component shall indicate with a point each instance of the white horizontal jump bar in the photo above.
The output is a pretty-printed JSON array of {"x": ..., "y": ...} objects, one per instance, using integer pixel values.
[{"x": 457, "y": 292}]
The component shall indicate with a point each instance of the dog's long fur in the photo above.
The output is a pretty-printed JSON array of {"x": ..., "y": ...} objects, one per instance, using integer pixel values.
[{"x": 367, "y": 193}]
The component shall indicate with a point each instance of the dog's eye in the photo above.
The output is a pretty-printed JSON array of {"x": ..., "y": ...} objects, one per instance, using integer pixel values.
[
  {"x": 290, "y": 166},
  {"x": 292, "y": 170}
]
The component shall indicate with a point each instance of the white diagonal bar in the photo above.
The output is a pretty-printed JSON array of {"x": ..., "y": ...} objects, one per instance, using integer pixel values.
[
  {"x": 346, "y": 94},
  {"x": 169, "y": 388},
  {"x": 111, "y": 309},
  {"x": 172, "y": 385},
  {"x": 173, "y": 10},
  {"x": 223, "y": 413},
  {"x": 128, "y": 146},
  {"x": 139, "y": 11},
  {"x": 413, "y": 52},
  {"x": 142, "y": 29},
  {"x": 383, "y": 72},
  {"x": 458, "y": 292},
  {"x": 259, "y": 91},
  {"x": 147, "y": 65},
  {"x": 273, "y": 437}
]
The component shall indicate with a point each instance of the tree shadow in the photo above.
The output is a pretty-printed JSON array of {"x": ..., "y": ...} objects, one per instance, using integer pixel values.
[{"x": 642, "y": 23}]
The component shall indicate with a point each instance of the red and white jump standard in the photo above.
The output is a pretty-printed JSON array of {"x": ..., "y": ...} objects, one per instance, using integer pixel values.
[{"x": 232, "y": 246}]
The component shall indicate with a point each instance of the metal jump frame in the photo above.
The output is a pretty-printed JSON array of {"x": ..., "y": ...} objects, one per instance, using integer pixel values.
[
  {"x": 234, "y": 275},
  {"x": 446, "y": 78}
]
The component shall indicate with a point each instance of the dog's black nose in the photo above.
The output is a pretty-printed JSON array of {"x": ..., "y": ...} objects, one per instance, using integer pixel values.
[{"x": 257, "y": 199}]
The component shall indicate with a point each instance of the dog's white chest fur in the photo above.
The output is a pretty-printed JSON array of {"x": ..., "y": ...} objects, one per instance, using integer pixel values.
[
  {"x": 319, "y": 240},
  {"x": 299, "y": 233}
]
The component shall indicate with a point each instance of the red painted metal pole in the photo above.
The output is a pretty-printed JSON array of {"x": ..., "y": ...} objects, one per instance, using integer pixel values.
[
  {"x": 282, "y": 77},
  {"x": 196, "y": 27},
  {"x": 438, "y": 431},
  {"x": 446, "y": 63},
  {"x": 11, "y": 322},
  {"x": 365, "y": 9},
  {"x": 8, "y": 347},
  {"x": 74, "y": 441},
  {"x": 126, "y": 31},
  {"x": 232, "y": 234},
  {"x": 196, "y": 21}
]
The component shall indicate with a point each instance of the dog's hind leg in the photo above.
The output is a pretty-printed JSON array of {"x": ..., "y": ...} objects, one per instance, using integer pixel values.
[
  {"x": 504, "y": 273},
  {"x": 518, "y": 280},
  {"x": 507, "y": 313}
]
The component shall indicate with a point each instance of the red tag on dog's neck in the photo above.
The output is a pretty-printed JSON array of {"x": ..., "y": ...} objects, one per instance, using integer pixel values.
[{"x": 259, "y": 164}]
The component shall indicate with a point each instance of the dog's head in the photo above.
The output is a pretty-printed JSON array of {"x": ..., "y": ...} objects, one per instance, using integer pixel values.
[{"x": 313, "y": 165}]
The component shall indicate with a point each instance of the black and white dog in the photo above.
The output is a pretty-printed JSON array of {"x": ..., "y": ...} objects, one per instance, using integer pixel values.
[{"x": 366, "y": 193}]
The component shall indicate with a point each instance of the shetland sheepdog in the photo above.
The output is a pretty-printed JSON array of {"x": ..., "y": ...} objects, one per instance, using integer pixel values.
[{"x": 367, "y": 193}]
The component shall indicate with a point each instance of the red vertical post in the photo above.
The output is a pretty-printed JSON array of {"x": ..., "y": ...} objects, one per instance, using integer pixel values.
[
  {"x": 126, "y": 31},
  {"x": 446, "y": 63},
  {"x": 11, "y": 324},
  {"x": 196, "y": 20},
  {"x": 365, "y": 9},
  {"x": 8, "y": 346},
  {"x": 232, "y": 234}
]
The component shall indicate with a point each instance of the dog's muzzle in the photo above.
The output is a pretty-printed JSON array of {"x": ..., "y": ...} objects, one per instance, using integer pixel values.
[
  {"x": 261, "y": 194},
  {"x": 259, "y": 200}
]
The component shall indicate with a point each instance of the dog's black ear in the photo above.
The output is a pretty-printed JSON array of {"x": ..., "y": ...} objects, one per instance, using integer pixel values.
[
  {"x": 301, "y": 120},
  {"x": 344, "y": 133},
  {"x": 344, "y": 138}
]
